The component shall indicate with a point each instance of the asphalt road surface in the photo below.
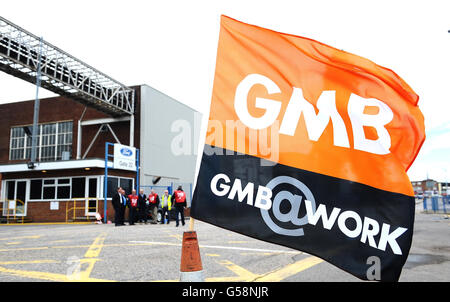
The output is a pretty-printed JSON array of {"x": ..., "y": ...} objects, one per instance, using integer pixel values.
[{"x": 90, "y": 252}]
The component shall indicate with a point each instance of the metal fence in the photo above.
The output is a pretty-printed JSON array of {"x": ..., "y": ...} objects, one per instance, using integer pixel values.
[{"x": 436, "y": 204}]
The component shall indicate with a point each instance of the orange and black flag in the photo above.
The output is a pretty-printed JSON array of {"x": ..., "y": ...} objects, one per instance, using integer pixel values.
[{"x": 308, "y": 147}]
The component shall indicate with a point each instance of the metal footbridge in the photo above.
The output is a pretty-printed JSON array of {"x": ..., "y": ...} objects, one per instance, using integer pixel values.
[{"x": 28, "y": 57}]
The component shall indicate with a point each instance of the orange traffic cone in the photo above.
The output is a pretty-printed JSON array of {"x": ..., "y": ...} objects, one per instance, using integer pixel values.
[{"x": 191, "y": 269}]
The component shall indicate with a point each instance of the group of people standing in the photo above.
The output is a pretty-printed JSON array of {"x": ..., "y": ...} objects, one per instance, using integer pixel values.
[{"x": 140, "y": 206}]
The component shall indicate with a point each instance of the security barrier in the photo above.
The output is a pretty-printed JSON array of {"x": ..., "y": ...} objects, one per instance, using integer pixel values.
[
  {"x": 81, "y": 204},
  {"x": 436, "y": 204},
  {"x": 13, "y": 211}
]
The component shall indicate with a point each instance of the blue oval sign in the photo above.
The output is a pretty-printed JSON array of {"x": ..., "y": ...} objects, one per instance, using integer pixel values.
[{"x": 126, "y": 152}]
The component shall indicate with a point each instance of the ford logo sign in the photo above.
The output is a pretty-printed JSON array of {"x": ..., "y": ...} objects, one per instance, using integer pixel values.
[{"x": 126, "y": 152}]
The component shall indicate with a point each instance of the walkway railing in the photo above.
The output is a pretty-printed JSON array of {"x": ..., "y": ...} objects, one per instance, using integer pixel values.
[
  {"x": 13, "y": 210},
  {"x": 81, "y": 204}
]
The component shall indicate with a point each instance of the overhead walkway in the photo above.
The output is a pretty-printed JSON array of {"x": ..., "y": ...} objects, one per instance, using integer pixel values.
[{"x": 22, "y": 53}]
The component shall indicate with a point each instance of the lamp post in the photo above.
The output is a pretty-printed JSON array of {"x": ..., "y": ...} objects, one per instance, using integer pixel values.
[{"x": 34, "y": 137}]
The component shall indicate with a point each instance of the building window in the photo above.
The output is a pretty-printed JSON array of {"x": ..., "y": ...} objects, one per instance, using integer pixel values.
[
  {"x": 64, "y": 148},
  {"x": 54, "y": 142},
  {"x": 114, "y": 182},
  {"x": 78, "y": 187},
  {"x": 36, "y": 189},
  {"x": 17, "y": 143},
  {"x": 64, "y": 188}
]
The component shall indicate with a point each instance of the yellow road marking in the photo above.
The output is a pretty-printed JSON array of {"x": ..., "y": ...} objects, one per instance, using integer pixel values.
[
  {"x": 85, "y": 265},
  {"x": 24, "y": 249},
  {"x": 47, "y": 276},
  {"x": 83, "y": 269},
  {"x": 28, "y": 262},
  {"x": 260, "y": 254},
  {"x": 147, "y": 243},
  {"x": 59, "y": 241},
  {"x": 290, "y": 270},
  {"x": 213, "y": 255},
  {"x": 13, "y": 243},
  {"x": 22, "y": 237},
  {"x": 80, "y": 246},
  {"x": 244, "y": 275},
  {"x": 96, "y": 247}
]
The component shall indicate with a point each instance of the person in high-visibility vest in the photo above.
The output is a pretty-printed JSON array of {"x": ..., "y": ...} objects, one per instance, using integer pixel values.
[
  {"x": 166, "y": 206},
  {"x": 179, "y": 196}
]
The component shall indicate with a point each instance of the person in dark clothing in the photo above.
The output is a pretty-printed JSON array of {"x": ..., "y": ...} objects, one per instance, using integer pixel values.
[
  {"x": 179, "y": 198},
  {"x": 133, "y": 206},
  {"x": 119, "y": 202},
  {"x": 142, "y": 206}
]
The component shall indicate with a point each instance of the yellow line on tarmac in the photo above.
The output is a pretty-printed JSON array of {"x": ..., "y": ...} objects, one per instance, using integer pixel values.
[
  {"x": 96, "y": 247},
  {"x": 78, "y": 274},
  {"x": 90, "y": 258},
  {"x": 213, "y": 255},
  {"x": 22, "y": 237},
  {"x": 80, "y": 246},
  {"x": 47, "y": 276},
  {"x": 28, "y": 262},
  {"x": 290, "y": 270},
  {"x": 260, "y": 254},
  {"x": 70, "y": 246},
  {"x": 24, "y": 249},
  {"x": 244, "y": 275}
]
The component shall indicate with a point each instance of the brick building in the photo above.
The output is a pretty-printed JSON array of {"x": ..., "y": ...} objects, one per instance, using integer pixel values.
[
  {"x": 430, "y": 187},
  {"x": 71, "y": 154}
]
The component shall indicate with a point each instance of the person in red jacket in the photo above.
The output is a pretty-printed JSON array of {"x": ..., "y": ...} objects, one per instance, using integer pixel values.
[
  {"x": 153, "y": 202},
  {"x": 132, "y": 204},
  {"x": 179, "y": 201}
]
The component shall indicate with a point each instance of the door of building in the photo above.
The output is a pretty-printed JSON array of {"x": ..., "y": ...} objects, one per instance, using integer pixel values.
[
  {"x": 16, "y": 197},
  {"x": 92, "y": 191}
]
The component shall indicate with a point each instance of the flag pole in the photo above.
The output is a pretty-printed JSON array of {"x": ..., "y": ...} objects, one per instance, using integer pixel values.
[{"x": 191, "y": 224}]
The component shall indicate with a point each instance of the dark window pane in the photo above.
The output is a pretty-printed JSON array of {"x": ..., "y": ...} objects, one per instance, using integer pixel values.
[
  {"x": 10, "y": 186},
  {"x": 21, "y": 191},
  {"x": 113, "y": 184},
  {"x": 49, "y": 192},
  {"x": 92, "y": 206},
  {"x": 64, "y": 181},
  {"x": 126, "y": 184},
  {"x": 36, "y": 189},
  {"x": 63, "y": 192},
  {"x": 78, "y": 187},
  {"x": 92, "y": 187},
  {"x": 49, "y": 181}
]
